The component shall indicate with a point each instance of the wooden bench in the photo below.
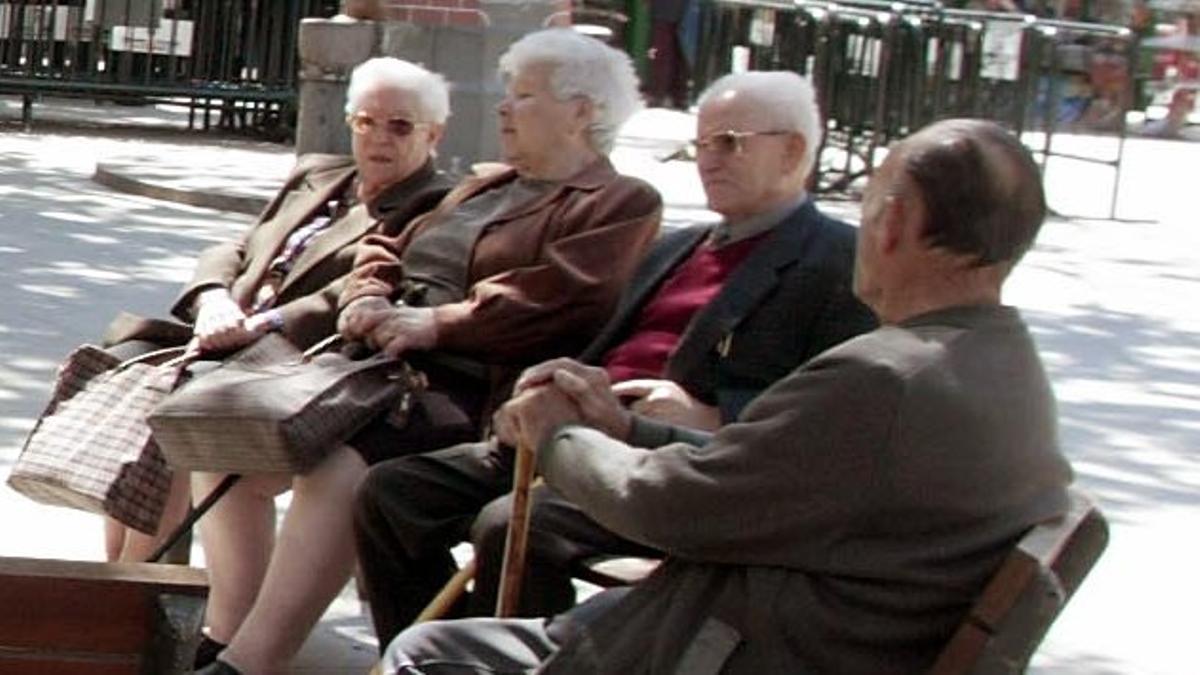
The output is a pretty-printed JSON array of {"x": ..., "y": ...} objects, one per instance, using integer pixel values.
[
  {"x": 61, "y": 617},
  {"x": 1014, "y": 611},
  {"x": 1003, "y": 628},
  {"x": 1011, "y": 616}
]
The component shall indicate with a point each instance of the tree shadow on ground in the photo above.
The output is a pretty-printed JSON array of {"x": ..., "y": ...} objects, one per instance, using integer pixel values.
[
  {"x": 1075, "y": 664},
  {"x": 1127, "y": 388},
  {"x": 72, "y": 255}
]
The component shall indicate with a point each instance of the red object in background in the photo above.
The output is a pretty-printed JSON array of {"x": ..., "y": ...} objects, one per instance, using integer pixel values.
[
  {"x": 1189, "y": 67},
  {"x": 1186, "y": 65}
]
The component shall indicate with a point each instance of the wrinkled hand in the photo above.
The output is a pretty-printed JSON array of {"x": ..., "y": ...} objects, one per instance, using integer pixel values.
[
  {"x": 527, "y": 420},
  {"x": 404, "y": 328},
  {"x": 221, "y": 324},
  {"x": 587, "y": 387},
  {"x": 666, "y": 401},
  {"x": 361, "y": 317}
]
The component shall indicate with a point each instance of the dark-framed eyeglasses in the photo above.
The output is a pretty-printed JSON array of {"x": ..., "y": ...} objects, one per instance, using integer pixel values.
[
  {"x": 362, "y": 123},
  {"x": 728, "y": 142}
]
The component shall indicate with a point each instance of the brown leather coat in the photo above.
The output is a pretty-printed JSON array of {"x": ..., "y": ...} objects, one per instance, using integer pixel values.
[{"x": 543, "y": 277}]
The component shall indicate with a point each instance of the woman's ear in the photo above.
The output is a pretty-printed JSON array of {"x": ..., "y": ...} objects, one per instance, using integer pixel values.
[{"x": 585, "y": 111}]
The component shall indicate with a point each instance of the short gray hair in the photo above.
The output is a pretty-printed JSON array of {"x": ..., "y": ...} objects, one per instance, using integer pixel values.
[
  {"x": 581, "y": 66},
  {"x": 430, "y": 89},
  {"x": 786, "y": 99}
]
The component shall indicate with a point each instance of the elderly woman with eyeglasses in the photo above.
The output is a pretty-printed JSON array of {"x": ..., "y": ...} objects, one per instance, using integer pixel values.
[
  {"x": 514, "y": 266},
  {"x": 286, "y": 273}
]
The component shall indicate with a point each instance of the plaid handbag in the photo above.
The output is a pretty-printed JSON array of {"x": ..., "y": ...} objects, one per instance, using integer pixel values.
[
  {"x": 91, "y": 449},
  {"x": 257, "y": 414}
]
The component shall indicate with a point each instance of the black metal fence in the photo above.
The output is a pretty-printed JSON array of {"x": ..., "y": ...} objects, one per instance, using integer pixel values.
[
  {"x": 232, "y": 58},
  {"x": 885, "y": 69}
]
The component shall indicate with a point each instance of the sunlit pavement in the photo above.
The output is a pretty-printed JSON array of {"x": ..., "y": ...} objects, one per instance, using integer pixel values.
[{"x": 1111, "y": 304}]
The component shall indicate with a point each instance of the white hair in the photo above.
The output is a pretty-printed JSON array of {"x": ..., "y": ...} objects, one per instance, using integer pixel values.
[
  {"x": 786, "y": 99},
  {"x": 430, "y": 89},
  {"x": 581, "y": 66}
]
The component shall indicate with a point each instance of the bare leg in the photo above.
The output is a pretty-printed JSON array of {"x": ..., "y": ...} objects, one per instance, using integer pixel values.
[
  {"x": 238, "y": 534},
  {"x": 313, "y": 559},
  {"x": 137, "y": 547},
  {"x": 114, "y": 539}
]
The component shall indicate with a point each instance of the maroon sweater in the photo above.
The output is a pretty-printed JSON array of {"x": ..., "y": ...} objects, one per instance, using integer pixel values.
[{"x": 664, "y": 319}]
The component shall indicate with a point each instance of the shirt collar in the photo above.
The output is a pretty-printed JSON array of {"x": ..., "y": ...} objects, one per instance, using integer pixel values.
[{"x": 727, "y": 232}]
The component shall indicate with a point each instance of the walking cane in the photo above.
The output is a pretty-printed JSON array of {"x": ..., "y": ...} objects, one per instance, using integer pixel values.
[
  {"x": 513, "y": 569},
  {"x": 515, "y": 544},
  {"x": 195, "y": 513},
  {"x": 450, "y": 593}
]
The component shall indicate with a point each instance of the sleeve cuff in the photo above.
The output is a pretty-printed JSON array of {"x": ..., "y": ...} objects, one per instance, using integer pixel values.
[
  {"x": 647, "y": 433},
  {"x": 274, "y": 319}
]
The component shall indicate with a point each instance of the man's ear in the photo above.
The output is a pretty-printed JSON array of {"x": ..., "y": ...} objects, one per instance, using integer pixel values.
[
  {"x": 436, "y": 132},
  {"x": 797, "y": 145},
  {"x": 905, "y": 220},
  {"x": 892, "y": 223}
]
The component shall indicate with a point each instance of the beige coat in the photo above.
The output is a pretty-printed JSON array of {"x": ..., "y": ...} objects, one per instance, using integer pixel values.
[{"x": 308, "y": 294}]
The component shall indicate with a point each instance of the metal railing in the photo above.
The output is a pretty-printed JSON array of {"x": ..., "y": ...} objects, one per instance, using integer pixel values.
[
  {"x": 234, "y": 58},
  {"x": 885, "y": 69}
]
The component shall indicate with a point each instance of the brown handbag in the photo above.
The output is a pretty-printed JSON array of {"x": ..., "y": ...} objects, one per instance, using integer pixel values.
[
  {"x": 91, "y": 448},
  {"x": 256, "y": 413}
]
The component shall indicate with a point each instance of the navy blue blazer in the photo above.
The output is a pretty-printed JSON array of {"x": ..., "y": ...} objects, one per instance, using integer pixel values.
[{"x": 790, "y": 300}]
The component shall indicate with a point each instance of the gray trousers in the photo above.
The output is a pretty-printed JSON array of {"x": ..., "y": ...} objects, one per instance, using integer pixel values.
[{"x": 491, "y": 646}]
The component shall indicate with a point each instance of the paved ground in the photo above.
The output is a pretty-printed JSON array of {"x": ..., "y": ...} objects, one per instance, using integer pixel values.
[{"x": 1111, "y": 304}]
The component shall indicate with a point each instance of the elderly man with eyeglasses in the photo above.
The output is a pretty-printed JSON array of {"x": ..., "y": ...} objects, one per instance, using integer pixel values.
[
  {"x": 850, "y": 516},
  {"x": 714, "y": 315}
]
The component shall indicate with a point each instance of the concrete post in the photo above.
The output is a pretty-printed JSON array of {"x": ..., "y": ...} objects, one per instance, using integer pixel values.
[
  {"x": 509, "y": 21},
  {"x": 461, "y": 43},
  {"x": 329, "y": 50},
  {"x": 465, "y": 49}
]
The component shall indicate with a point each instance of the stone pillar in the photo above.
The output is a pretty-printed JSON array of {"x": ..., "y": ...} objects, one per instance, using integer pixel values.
[
  {"x": 463, "y": 40},
  {"x": 509, "y": 20},
  {"x": 329, "y": 50}
]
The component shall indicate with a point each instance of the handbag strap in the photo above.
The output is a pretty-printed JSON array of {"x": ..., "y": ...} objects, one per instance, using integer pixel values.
[
  {"x": 194, "y": 514},
  {"x": 328, "y": 343},
  {"x": 170, "y": 356}
]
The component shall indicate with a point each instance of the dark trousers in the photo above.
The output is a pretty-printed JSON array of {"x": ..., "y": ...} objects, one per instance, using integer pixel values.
[{"x": 410, "y": 511}]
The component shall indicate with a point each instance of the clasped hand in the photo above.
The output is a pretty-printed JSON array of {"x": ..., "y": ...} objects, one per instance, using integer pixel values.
[
  {"x": 221, "y": 325},
  {"x": 558, "y": 392},
  {"x": 390, "y": 329},
  {"x": 563, "y": 391}
]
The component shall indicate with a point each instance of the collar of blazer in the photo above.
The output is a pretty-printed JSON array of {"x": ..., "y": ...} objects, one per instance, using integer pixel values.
[
  {"x": 358, "y": 221},
  {"x": 788, "y": 243},
  {"x": 397, "y": 196}
]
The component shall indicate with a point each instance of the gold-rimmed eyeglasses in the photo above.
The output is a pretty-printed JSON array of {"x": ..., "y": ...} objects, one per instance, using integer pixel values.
[
  {"x": 728, "y": 142},
  {"x": 362, "y": 123}
]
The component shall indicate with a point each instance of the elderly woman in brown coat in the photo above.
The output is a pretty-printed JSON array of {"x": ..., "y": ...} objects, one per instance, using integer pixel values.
[
  {"x": 513, "y": 266},
  {"x": 286, "y": 273}
]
